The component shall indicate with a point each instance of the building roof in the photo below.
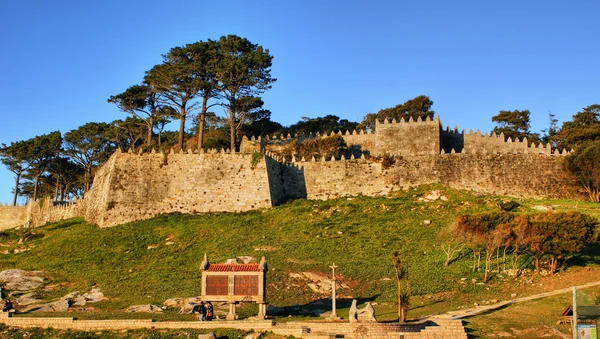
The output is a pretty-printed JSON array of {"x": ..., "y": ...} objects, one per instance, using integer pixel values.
[
  {"x": 583, "y": 312},
  {"x": 233, "y": 268}
]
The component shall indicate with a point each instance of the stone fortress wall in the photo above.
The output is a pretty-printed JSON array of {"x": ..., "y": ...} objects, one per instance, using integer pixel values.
[
  {"x": 12, "y": 216},
  {"x": 408, "y": 137},
  {"x": 132, "y": 186}
]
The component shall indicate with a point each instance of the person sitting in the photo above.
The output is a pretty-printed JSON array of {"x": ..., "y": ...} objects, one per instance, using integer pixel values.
[
  {"x": 8, "y": 305},
  {"x": 201, "y": 310},
  {"x": 209, "y": 311}
]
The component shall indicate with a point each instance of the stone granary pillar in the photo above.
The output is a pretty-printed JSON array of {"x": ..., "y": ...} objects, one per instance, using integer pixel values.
[
  {"x": 262, "y": 311},
  {"x": 231, "y": 314}
]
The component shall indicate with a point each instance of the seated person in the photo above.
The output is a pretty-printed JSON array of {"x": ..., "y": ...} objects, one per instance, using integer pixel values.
[{"x": 8, "y": 305}]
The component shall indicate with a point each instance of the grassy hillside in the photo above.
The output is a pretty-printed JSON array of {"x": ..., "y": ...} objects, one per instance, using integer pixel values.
[{"x": 151, "y": 261}]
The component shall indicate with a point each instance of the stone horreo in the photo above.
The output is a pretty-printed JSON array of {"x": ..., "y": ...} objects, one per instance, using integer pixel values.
[
  {"x": 233, "y": 283},
  {"x": 134, "y": 185}
]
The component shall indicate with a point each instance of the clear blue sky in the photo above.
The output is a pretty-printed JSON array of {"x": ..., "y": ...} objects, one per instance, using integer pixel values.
[{"x": 61, "y": 60}]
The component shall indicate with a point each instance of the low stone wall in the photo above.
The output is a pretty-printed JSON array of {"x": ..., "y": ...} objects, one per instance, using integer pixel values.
[
  {"x": 431, "y": 329},
  {"x": 12, "y": 216}
]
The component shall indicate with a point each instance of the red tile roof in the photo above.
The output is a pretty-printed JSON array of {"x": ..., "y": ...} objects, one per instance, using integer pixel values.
[{"x": 233, "y": 268}]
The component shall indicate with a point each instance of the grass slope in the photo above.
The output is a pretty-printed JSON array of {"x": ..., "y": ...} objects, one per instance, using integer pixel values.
[{"x": 150, "y": 261}]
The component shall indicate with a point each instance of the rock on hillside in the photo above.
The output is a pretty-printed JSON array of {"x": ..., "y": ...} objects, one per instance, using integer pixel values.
[
  {"x": 317, "y": 282},
  {"x": 144, "y": 309},
  {"x": 185, "y": 305},
  {"x": 20, "y": 280}
]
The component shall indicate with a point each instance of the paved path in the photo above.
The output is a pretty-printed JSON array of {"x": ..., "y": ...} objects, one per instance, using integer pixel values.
[{"x": 481, "y": 309}]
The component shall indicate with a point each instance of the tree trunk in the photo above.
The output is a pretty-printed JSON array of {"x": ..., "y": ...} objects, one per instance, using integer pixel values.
[
  {"x": 181, "y": 128},
  {"x": 485, "y": 275},
  {"x": 497, "y": 262},
  {"x": 149, "y": 134},
  {"x": 232, "y": 131},
  {"x": 16, "y": 189},
  {"x": 86, "y": 179},
  {"x": 201, "y": 122},
  {"x": 593, "y": 193},
  {"x": 57, "y": 188},
  {"x": 35, "y": 187},
  {"x": 504, "y": 261}
]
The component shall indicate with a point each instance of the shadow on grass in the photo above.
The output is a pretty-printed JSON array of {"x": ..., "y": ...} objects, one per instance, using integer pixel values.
[
  {"x": 470, "y": 332},
  {"x": 425, "y": 305},
  {"x": 490, "y": 311},
  {"x": 320, "y": 306},
  {"x": 589, "y": 256},
  {"x": 65, "y": 224}
]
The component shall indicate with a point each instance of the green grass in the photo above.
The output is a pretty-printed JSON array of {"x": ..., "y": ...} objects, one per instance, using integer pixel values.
[
  {"x": 358, "y": 234},
  {"x": 528, "y": 320}
]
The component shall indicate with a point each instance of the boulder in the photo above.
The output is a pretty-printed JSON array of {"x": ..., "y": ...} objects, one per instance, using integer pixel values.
[
  {"x": 144, "y": 309},
  {"x": 318, "y": 282},
  {"x": 206, "y": 336},
  {"x": 246, "y": 259},
  {"x": 79, "y": 301},
  {"x": 185, "y": 305},
  {"x": 61, "y": 305},
  {"x": 27, "y": 299},
  {"x": 353, "y": 313},
  {"x": 367, "y": 314},
  {"x": 94, "y": 295},
  {"x": 433, "y": 195},
  {"x": 20, "y": 280}
]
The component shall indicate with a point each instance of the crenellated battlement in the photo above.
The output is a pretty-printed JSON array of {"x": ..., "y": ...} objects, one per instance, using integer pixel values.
[
  {"x": 134, "y": 185},
  {"x": 408, "y": 137}
]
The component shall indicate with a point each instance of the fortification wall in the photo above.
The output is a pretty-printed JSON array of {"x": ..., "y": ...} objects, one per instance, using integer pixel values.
[
  {"x": 333, "y": 179},
  {"x": 523, "y": 175},
  {"x": 407, "y": 137},
  {"x": 527, "y": 175},
  {"x": 43, "y": 211},
  {"x": 475, "y": 142},
  {"x": 12, "y": 216},
  {"x": 134, "y": 187},
  {"x": 358, "y": 142},
  {"x": 138, "y": 187},
  {"x": 452, "y": 139}
]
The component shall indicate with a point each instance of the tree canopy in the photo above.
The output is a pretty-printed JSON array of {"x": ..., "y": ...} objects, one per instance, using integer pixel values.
[
  {"x": 14, "y": 157},
  {"x": 183, "y": 76},
  {"x": 243, "y": 71},
  {"x": 584, "y": 164},
  {"x": 89, "y": 145},
  {"x": 515, "y": 125},
  {"x": 420, "y": 106},
  {"x": 322, "y": 125},
  {"x": 584, "y": 127}
]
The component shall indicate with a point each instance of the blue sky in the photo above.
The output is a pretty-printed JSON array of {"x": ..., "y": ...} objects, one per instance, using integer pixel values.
[{"x": 61, "y": 60}]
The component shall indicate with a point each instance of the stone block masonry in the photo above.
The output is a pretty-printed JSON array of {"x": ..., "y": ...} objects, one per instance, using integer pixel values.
[
  {"x": 12, "y": 216},
  {"x": 429, "y": 329},
  {"x": 133, "y": 187}
]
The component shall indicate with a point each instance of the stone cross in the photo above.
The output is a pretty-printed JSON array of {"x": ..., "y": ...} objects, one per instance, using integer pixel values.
[{"x": 333, "y": 298}]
